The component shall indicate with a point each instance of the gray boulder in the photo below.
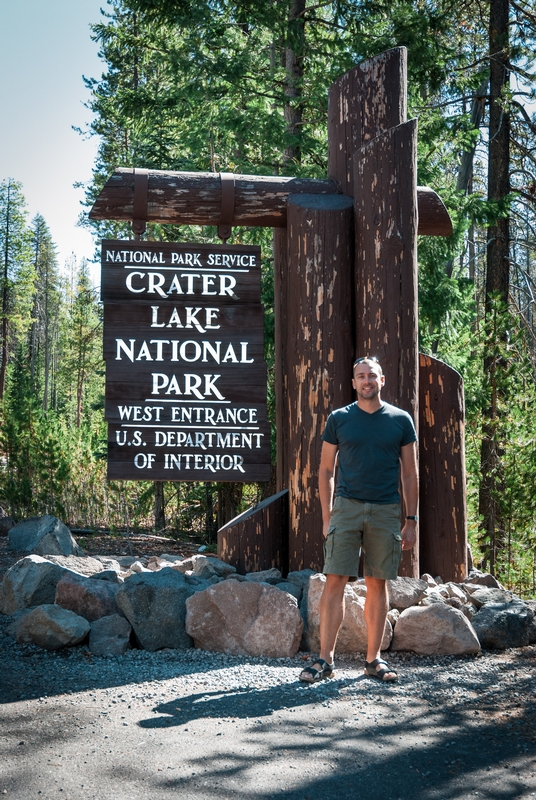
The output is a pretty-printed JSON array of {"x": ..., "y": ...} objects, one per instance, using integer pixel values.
[
  {"x": 532, "y": 632},
  {"x": 481, "y": 596},
  {"x": 502, "y": 625},
  {"x": 110, "y": 636},
  {"x": 83, "y": 565},
  {"x": 30, "y": 582},
  {"x": 244, "y": 618},
  {"x": 43, "y": 536},
  {"x": 154, "y": 604},
  {"x": 87, "y": 597},
  {"x": 406, "y": 592},
  {"x": 52, "y": 627},
  {"x": 205, "y": 567},
  {"x": 483, "y": 579},
  {"x": 271, "y": 576},
  {"x": 435, "y": 630},
  {"x": 292, "y": 589}
]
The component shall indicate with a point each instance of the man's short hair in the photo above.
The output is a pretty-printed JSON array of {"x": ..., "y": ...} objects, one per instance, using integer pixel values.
[{"x": 373, "y": 359}]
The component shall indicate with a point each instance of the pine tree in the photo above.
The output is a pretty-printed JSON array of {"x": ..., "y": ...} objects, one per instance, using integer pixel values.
[{"x": 16, "y": 277}]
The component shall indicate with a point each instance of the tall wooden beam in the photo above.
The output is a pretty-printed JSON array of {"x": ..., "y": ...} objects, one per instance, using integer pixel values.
[
  {"x": 363, "y": 103},
  {"x": 195, "y": 198},
  {"x": 317, "y": 353},
  {"x": 443, "y": 513},
  {"x": 386, "y": 269}
]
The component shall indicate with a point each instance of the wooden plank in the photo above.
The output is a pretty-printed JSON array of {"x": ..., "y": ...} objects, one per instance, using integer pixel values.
[
  {"x": 317, "y": 357},
  {"x": 213, "y": 275},
  {"x": 363, "y": 103},
  {"x": 386, "y": 268},
  {"x": 194, "y": 198},
  {"x": 442, "y": 514},
  {"x": 227, "y": 336},
  {"x": 258, "y": 538},
  {"x": 129, "y": 388}
]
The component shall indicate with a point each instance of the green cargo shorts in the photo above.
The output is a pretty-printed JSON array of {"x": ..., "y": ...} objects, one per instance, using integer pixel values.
[{"x": 372, "y": 527}]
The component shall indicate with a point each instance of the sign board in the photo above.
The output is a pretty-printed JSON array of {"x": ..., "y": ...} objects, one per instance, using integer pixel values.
[{"x": 185, "y": 372}]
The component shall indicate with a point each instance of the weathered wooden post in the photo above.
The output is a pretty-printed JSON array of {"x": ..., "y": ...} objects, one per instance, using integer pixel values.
[
  {"x": 318, "y": 349},
  {"x": 443, "y": 513},
  {"x": 386, "y": 269}
]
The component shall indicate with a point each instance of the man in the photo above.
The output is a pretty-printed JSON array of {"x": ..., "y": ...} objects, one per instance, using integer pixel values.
[{"x": 372, "y": 440}]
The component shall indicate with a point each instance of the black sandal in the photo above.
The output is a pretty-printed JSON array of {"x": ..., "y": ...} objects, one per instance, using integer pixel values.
[
  {"x": 370, "y": 669},
  {"x": 325, "y": 671}
]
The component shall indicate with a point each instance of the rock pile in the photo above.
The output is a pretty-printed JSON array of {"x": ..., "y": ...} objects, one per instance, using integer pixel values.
[{"x": 170, "y": 602}]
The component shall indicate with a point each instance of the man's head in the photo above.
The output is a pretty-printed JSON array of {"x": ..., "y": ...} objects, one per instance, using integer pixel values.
[{"x": 368, "y": 378}]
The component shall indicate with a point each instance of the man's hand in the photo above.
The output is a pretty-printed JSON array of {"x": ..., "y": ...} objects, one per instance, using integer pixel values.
[
  {"x": 325, "y": 528},
  {"x": 409, "y": 534}
]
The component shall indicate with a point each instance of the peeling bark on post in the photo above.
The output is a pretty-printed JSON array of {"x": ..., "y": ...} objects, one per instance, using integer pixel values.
[
  {"x": 442, "y": 515},
  {"x": 194, "y": 198},
  {"x": 318, "y": 349},
  {"x": 281, "y": 351},
  {"x": 363, "y": 103},
  {"x": 386, "y": 269}
]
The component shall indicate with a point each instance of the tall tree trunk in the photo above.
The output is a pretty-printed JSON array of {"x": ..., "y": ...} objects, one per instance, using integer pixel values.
[
  {"x": 5, "y": 300},
  {"x": 294, "y": 50},
  {"x": 159, "y": 506},
  {"x": 497, "y": 276}
]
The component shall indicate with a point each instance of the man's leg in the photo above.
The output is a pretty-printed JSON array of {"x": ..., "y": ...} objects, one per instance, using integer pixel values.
[
  {"x": 376, "y": 608},
  {"x": 331, "y": 614}
]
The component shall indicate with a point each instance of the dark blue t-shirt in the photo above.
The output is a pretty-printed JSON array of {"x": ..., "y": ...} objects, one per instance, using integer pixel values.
[{"x": 369, "y": 450}]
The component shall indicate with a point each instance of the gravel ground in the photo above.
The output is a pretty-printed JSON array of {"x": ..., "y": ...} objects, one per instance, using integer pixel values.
[
  {"x": 201, "y": 725},
  {"x": 206, "y": 725}
]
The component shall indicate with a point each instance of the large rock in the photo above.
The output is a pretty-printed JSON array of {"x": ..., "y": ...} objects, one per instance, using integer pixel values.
[
  {"x": 272, "y": 576},
  {"x": 353, "y": 633},
  {"x": 244, "y": 618},
  {"x": 43, "y": 536},
  {"x": 483, "y": 595},
  {"x": 483, "y": 579},
  {"x": 406, "y": 592},
  {"x": 30, "y": 582},
  {"x": 205, "y": 567},
  {"x": 52, "y": 627},
  {"x": 532, "y": 632},
  {"x": 502, "y": 625},
  {"x": 83, "y": 565},
  {"x": 435, "y": 630},
  {"x": 154, "y": 604},
  {"x": 87, "y": 597},
  {"x": 110, "y": 636}
]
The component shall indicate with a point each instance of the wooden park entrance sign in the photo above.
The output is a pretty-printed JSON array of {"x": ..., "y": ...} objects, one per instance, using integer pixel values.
[
  {"x": 185, "y": 372},
  {"x": 345, "y": 255}
]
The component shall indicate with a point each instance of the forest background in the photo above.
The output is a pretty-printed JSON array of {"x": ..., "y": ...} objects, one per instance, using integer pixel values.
[{"x": 241, "y": 86}]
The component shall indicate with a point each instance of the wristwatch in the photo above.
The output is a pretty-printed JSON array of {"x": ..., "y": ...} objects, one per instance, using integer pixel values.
[{"x": 413, "y": 518}]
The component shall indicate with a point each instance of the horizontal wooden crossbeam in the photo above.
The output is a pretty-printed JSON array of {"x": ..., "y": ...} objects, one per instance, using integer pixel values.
[{"x": 194, "y": 198}]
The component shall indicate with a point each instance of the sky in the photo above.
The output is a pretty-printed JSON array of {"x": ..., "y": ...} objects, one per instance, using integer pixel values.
[{"x": 45, "y": 49}]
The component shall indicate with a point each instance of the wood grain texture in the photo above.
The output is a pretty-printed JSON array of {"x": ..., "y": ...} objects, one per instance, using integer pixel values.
[
  {"x": 258, "y": 538},
  {"x": 317, "y": 355},
  {"x": 442, "y": 516},
  {"x": 386, "y": 268},
  {"x": 194, "y": 198},
  {"x": 363, "y": 103}
]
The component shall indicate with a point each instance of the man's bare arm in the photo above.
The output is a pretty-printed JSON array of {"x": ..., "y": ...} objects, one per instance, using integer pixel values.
[
  {"x": 326, "y": 481},
  {"x": 410, "y": 490}
]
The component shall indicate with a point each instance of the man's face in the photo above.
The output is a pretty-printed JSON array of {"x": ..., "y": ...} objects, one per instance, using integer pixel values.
[{"x": 368, "y": 380}]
